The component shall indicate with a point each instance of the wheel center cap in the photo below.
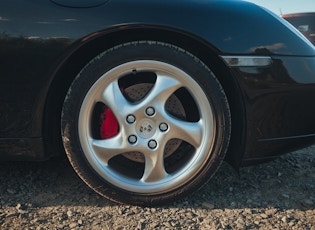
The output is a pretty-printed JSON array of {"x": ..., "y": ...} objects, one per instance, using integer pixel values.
[{"x": 146, "y": 128}]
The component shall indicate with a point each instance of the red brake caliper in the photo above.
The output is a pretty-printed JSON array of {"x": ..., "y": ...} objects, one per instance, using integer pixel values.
[{"x": 109, "y": 124}]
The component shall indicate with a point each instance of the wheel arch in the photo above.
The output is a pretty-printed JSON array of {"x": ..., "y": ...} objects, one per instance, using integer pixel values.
[{"x": 87, "y": 48}]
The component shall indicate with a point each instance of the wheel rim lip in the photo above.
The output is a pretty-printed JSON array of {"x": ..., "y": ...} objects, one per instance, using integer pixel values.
[{"x": 172, "y": 181}]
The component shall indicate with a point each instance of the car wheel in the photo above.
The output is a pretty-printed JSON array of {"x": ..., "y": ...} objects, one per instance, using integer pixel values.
[{"x": 145, "y": 123}]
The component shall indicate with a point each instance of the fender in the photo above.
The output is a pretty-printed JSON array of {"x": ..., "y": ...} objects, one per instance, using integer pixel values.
[{"x": 230, "y": 36}]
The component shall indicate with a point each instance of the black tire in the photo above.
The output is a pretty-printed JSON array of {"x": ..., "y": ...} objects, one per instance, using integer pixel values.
[{"x": 145, "y": 123}]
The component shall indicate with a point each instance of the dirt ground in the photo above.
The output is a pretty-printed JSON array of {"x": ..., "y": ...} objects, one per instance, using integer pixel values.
[{"x": 275, "y": 195}]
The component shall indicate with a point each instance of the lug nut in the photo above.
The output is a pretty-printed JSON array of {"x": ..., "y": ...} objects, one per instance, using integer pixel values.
[
  {"x": 150, "y": 111},
  {"x": 152, "y": 144},
  {"x": 131, "y": 119},
  {"x": 132, "y": 139},
  {"x": 163, "y": 127}
]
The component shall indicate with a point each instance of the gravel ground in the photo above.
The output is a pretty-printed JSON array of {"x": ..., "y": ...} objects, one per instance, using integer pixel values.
[{"x": 275, "y": 195}]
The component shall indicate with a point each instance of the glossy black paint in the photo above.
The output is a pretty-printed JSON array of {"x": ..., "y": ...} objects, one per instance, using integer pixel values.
[
  {"x": 279, "y": 106},
  {"x": 44, "y": 45},
  {"x": 80, "y": 3}
]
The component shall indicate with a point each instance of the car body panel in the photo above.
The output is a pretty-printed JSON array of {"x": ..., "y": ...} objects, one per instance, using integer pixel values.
[
  {"x": 279, "y": 106},
  {"x": 80, "y": 3},
  {"x": 38, "y": 37},
  {"x": 53, "y": 21}
]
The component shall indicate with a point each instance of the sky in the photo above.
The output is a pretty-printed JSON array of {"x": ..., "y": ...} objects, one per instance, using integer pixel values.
[{"x": 287, "y": 6}]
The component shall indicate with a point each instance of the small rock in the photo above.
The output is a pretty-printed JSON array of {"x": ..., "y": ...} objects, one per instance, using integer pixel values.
[
  {"x": 233, "y": 204},
  {"x": 264, "y": 216},
  {"x": 12, "y": 214},
  {"x": 253, "y": 211},
  {"x": 207, "y": 205},
  {"x": 11, "y": 191},
  {"x": 72, "y": 225},
  {"x": 307, "y": 203},
  {"x": 285, "y": 196},
  {"x": 69, "y": 213}
]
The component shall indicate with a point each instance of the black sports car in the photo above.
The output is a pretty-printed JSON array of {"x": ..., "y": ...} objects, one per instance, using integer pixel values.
[{"x": 147, "y": 98}]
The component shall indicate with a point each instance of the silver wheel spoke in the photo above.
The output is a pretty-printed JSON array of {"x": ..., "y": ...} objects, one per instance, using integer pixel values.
[
  {"x": 191, "y": 132},
  {"x": 154, "y": 167},
  {"x": 163, "y": 88},
  {"x": 109, "y": 148},
  {"x": 115, "y": 100}
]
